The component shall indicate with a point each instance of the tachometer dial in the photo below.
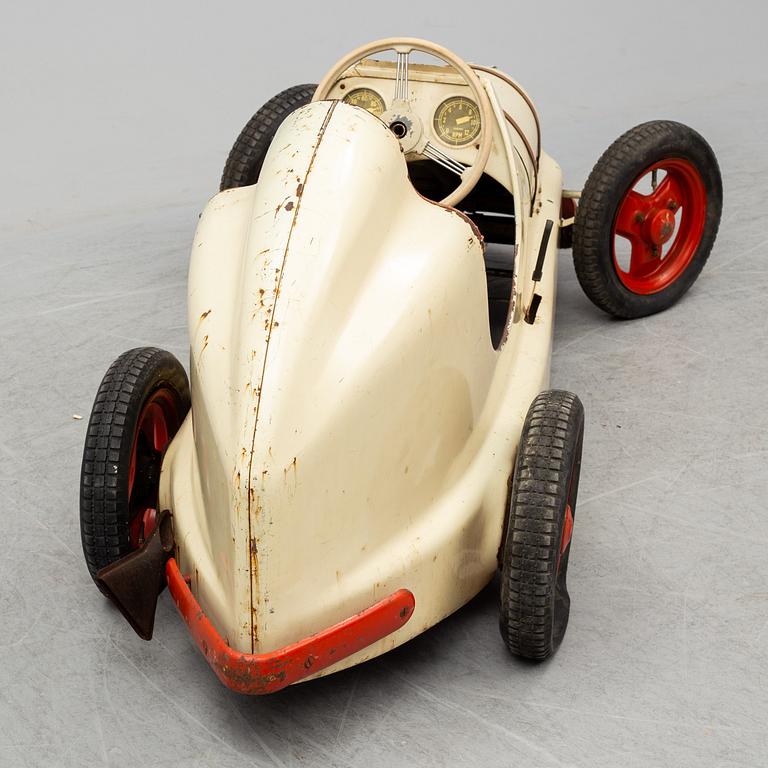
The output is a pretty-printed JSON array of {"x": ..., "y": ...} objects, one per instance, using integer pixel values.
[
  {"x": 367, "y": 99},
  {"x": 457, "y": 121}
]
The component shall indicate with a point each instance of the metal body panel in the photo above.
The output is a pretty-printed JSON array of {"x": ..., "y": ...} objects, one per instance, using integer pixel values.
[{"x": 353, "y": 430}]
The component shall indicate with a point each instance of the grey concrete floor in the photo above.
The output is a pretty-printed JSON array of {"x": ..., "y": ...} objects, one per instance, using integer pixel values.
[{"x": 114, "y": 131}]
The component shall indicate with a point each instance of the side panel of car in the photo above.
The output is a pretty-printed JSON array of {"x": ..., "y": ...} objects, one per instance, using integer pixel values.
[{"x": 453, "y": 544}]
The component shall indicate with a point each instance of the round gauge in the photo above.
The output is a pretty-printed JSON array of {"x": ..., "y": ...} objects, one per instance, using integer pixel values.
[
  {"x": 367, "y": 99},
  {"x": 457, "y": 121}
]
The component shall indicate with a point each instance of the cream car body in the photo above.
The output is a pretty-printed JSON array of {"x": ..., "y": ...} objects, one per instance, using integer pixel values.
[{"x": 353, "y": 428}]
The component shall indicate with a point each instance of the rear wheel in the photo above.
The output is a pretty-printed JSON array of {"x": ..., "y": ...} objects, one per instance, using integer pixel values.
[
  {"x": 140, "y": 405},
  {"x": 647, "y": 219},
  {"x": 535, "y": 604},
  {"x": 247, "y": 155}
]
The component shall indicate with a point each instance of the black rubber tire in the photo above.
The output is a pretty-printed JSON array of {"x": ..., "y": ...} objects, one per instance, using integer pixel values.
[
  {"x": 247, "y": 155},
  {"x": 535, "y": 604},
  {"x": 104, "y": 498},
  {"x": 610, "y": 179}
]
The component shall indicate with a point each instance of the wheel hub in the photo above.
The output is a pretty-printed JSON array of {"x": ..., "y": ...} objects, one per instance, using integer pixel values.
[
  {"x": 660, "y": 226},
  {"x": 406, "y": 126}
]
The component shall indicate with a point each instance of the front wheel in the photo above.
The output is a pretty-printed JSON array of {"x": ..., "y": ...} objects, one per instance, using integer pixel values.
[
  {"x": 141, "y": 403},
  {"x": 647, "y": 219},
  {"x": 535, "y": 604}
]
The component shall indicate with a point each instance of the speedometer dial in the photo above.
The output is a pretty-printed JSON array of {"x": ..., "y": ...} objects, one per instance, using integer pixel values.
[
  {"x": 367, "y": 99},
  {"x": 457, "y": 121}
]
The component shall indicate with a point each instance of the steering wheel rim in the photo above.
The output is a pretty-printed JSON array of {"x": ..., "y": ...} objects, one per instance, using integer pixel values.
[{"x": 403, "y": 46}]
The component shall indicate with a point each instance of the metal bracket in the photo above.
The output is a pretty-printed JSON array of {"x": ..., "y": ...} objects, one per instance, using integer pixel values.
[{"x": 134, "y": 582}]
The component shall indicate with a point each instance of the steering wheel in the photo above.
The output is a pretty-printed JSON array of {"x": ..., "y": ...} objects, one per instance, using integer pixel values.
[{"x": 405, "y": 122}]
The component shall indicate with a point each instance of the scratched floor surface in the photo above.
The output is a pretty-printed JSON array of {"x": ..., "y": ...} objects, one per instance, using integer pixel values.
[{"x": 666, "y": 658}]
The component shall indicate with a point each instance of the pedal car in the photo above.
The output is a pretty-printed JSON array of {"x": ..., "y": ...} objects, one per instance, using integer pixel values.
[{"x": 367, "y": 434}]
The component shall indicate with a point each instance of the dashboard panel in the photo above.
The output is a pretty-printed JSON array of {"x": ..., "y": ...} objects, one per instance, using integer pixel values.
[
  {"x": 437, "y": 95},
  {"x": 445, "y": 107}
]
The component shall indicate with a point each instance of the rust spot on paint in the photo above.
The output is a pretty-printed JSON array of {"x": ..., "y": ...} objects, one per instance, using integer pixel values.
[
  {"x": 299, "y": 189},
  {"x": 205, "y": 314},
  {"x": 205, "y": 343},
  {"x": 286, "y": 470},
  {"x": 289, "y": 205}
]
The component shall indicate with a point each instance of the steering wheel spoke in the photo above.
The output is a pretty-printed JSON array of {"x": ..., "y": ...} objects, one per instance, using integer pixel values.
[
  {"x": 433, "y": 153},
  {"x": 401, "y": 77}
]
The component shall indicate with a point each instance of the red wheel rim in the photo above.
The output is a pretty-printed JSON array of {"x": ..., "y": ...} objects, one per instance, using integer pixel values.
[
  {"x": 570, "y": 504},
  {"x": 565, "y": 539},
  {"x": 663, "y": 227},
  {"x": 156, "y": 425}
]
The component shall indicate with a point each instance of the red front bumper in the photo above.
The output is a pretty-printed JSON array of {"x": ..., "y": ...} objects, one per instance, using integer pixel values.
[{"x": 258, "y": 673}]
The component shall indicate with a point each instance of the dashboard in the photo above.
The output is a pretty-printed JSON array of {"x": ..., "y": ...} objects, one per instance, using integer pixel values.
[
  {"x": 437, "y": 95},
  {"x": 456, "y": 121}
]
